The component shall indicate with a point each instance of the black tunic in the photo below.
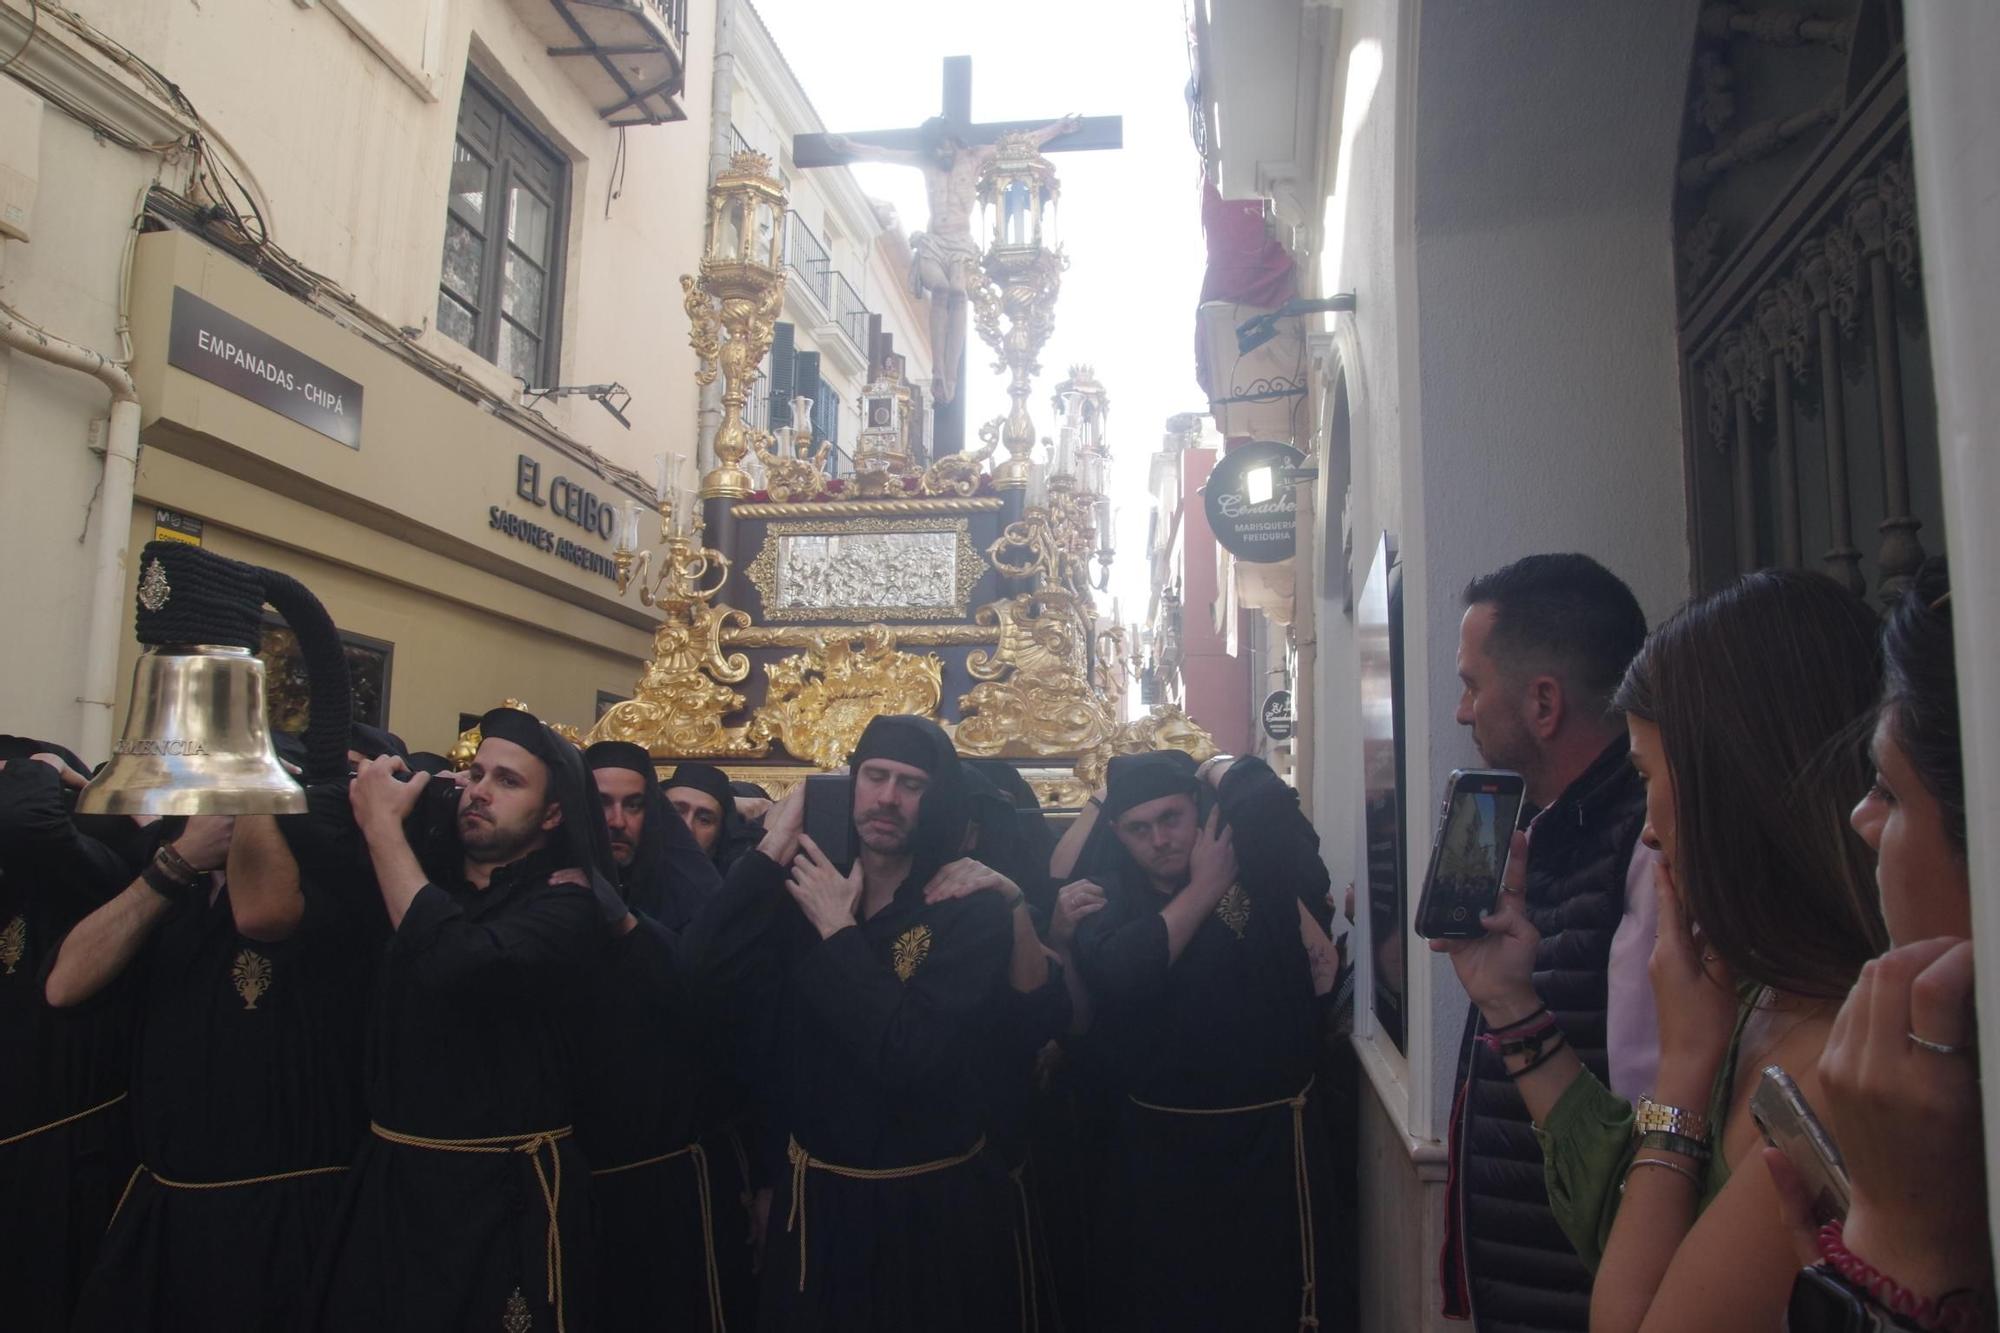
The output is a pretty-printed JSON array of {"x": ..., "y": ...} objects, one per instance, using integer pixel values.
[
  {"x": 867, "y": 1045},
  {"x": 640, "y": 1075},
  {"x": 247, "y": 1065},
  {"x": 470, "y": 1038},
  {"x": 61, "y": 1184},
  {"x": 1202, "y": 1211}
]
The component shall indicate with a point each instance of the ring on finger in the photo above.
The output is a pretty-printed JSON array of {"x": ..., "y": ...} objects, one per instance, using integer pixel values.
[{"x": 1936, "y": 1047}]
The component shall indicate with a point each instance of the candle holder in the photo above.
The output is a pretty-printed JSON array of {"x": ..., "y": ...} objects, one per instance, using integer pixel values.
[
  {"x": 1017, "y": 283},
  {"x": 734, "y": 305}
]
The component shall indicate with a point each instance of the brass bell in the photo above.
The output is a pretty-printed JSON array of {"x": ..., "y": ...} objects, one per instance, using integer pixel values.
[{"x": 196, "y": 741}]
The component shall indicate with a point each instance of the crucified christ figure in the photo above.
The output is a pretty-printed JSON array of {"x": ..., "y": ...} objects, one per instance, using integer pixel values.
[{"x": 944, "y": 257}]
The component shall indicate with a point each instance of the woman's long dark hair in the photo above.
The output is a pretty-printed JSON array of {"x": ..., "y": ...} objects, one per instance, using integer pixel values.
[
  {"x": 1920, "y": 692},
  {"x": 1763, "y": 692}
]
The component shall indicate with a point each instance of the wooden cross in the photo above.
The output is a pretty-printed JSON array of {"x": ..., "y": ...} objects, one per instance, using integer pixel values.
[{"x": 813, "y": 150}]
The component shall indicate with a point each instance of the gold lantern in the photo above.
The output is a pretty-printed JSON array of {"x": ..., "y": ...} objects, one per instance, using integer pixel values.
[{"x": 735, "y": 303}]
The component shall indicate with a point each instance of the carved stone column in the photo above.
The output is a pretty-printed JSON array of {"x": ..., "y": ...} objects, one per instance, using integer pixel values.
[
  {"x": 1901, "y": 551},
  {"x": 1827, "y": 270}
]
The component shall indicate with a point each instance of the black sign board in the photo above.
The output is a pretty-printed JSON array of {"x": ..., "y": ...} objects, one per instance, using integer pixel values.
[
  {"x": 1278, "y": 715},
  {"x": 1252, "y": 504},
  {"x": 216, "y": 346}
]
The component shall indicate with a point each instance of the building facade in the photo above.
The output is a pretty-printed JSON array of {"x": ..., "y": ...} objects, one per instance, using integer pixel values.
[
  {"x": 1657, "y": 283},
  {"x": 397, "y": 286},
  {"x": 847, "y": 256}
]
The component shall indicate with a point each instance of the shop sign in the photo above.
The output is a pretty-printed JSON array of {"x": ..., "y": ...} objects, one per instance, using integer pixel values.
[
  {"x": 171, "y": 527},
  {"x": 1278, "y": 715},
  {"x": 563, "y": 499},
  {"x": 214, "y": 345},
  {"x": 1252, "y": 504}
]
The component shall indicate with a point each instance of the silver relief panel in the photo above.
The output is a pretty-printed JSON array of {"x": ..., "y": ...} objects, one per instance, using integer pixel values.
[{"x": 861, "y": 571}]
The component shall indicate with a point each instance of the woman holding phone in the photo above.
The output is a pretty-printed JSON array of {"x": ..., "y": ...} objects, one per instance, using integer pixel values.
[
  {"x": 1745, "y": 711},
  {"x": 1900, "y": 1085}
]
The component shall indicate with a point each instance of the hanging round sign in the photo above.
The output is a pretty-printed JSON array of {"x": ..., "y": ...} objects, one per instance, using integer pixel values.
[
  {"x": 1252, "y": 504},
  {"x": 1278, "y": 715}
]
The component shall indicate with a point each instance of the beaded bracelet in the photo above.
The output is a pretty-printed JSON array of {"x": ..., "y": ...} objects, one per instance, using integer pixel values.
[{"x": 1962, "y": 1311}]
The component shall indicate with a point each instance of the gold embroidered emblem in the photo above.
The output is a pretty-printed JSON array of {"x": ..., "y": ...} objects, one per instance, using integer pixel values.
[
  {"x": 252, "y": 975},
  {"x": 516, "y": 1319},
  {"x": 14, "y": 943},
  {"x": 154, "y": 588},
  {"x": 1234, "y": 909},
  {"x": 910, "y": 950}
]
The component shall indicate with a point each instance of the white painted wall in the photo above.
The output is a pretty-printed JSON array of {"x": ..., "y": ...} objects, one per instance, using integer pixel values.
[
  {"x": 1954, "y": 106},
  {"x": 352, "y": 157}
]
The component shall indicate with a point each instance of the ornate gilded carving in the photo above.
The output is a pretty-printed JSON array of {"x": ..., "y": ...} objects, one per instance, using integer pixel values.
[
  {"x": 868, "y": 508},
  {"x": 866, "y": 569},
  {"x": 799, "y": 477},
  {"x": 818, "y": 702},
  {"x": 1165, "y": 728},
  {"x": 14, "y": 943},
  {"x": 1035, "y": 697},
  {"x": 251, "y": 975},
  {"x": 907, "y": 954},
  {"x": 959, "y": 474}
]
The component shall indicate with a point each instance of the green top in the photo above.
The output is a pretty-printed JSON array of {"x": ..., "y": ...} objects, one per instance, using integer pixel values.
[{"x": 1588, "y": 1144}]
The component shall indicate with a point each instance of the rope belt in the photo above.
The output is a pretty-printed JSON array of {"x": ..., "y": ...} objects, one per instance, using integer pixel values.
[
  {"x": 531, "y": 1145},
  {"x": 1024, "y": 1255},
  {"x": 1301, "y": 1186},
  {"x": 27, "y": 1134},
  {"x": 701, "y": 1184},
  {"x": 803, "y": 1161},
  {"x": 271, "y": 1179}
]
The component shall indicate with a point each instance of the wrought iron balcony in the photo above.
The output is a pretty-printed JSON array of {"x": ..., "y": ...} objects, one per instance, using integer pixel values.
[
  {"x": 628, "y": 56},
  {"x": 809, "y": 259},
  {"x": 849, "y": 312}
]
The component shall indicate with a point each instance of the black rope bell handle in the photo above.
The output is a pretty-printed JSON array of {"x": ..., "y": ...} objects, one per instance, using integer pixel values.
[{"x": 190, "y": 596}]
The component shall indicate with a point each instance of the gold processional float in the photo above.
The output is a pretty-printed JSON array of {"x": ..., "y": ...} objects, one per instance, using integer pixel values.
[{"x": 936, "y": 587}]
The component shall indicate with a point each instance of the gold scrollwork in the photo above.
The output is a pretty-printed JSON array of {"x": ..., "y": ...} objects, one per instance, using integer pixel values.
[
  {"x": 846, "y": 580},
  {"x": 819, "y": 702}
]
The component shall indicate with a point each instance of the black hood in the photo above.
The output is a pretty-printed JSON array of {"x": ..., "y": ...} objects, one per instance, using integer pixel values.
[
  {"x": 582, "y": 840},
  {"x": 1131, "y": 780},
  {"x": 670, "y": 876},
  {"x": 943, "y": 813}
]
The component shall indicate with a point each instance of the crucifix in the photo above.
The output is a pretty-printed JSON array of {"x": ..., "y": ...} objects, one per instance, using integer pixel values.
[{"x": 951, "y": 150}]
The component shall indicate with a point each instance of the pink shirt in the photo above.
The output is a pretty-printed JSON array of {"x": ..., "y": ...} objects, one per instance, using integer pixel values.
[{"x": 1631, "y": 1024}]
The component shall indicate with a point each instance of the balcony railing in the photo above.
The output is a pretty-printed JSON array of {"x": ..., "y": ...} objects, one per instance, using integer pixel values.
[
  {"x": 739, "y": 144},
  {"x": 849, "y": 312},
  {"x": 810, "y": 260}
]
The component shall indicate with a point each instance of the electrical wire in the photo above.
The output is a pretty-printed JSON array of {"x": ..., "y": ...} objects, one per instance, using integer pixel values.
[{"x": 615, "y": 187}]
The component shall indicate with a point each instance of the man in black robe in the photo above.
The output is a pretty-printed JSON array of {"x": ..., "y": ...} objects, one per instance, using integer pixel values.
[
  {"x": 65, "y": 1143},
  {"x": 655, "y": 1112},
  {"x": 247, "y": 969},
  {"x": 1204, "y": 992},
  {"x": 703, "y": 796},
  {"x": 469, "y": 1202},
  {"x": 861, "y": 1006}
]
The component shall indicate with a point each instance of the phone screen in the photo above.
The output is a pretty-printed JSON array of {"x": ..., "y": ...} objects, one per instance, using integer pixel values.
[{"x": 1470, "y": 857}]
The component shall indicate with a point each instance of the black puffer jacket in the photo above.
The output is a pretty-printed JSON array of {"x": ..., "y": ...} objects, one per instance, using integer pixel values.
[{"x": 1502, "y": 1243}]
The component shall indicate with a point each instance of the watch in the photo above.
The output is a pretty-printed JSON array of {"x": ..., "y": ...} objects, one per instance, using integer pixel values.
[{"x": 1656, "y": 1118}]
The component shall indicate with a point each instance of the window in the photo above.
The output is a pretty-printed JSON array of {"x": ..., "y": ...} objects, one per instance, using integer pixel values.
[
  {"x": 288, "y": 696},
  {"x": 500, "y": 291}
]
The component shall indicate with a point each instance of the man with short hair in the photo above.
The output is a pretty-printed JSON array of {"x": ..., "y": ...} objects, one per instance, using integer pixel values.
[
  {"x": 860, "y": 1007},
  {"x": 469, "y": 1202},
  {"x": 1200, "y": 966},
  {"x": 1542, "y": 647}
]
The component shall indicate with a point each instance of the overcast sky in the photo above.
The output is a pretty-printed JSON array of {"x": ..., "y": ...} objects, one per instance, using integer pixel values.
[{"x": 1130, "y": 219}]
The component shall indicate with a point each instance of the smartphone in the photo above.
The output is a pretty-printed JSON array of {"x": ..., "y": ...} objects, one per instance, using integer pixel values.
[
  {"x": 1790, "y": 1126},
  {"x": 829, "y": 815},
  {"x": 1469, "y": 857}
]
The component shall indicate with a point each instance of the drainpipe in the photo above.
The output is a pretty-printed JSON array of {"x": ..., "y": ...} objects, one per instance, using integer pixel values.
[
  {"x": 114, "y": 525},
  {"x": 721, "y": 93}
]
